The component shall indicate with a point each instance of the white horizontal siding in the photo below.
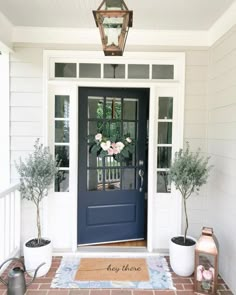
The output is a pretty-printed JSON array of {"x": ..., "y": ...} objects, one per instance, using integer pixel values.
[
  {"x": 16, "y": 155},
  {"x": 195, "y": 116},
  {"x": 222, "y": 98},
  {"x": 222, "y": 149},
  {"x": 22, "y": 143},
  {"x": 26, "y": 129},
  {"x": 195, "y": 119},
  {"x": 33, "y": 85},
  {"x": 196, "y": 73},
  {"x": 226, "y": 131},
  {"x": 19, "y": 99},
  {"x": 26, "y": 69},
  {"x": 26, "y": 114},
  {"x": 197, "y": 58},
  {"x": 224, "y": 114},
  {"x": 196, "y": 101},
  {"x": 196, "y": 87}
]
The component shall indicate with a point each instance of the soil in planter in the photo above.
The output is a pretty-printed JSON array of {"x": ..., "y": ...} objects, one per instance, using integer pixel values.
[
  {"x": 34, "y": 243},
  {"x": 180, "y": 241}
]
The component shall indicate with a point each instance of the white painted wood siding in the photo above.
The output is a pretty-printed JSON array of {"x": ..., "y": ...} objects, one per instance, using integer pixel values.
[
  {"x": 195, "y": 128},
  {"x": 26, "y": 113},
  {"x": 222, "y": 149}
]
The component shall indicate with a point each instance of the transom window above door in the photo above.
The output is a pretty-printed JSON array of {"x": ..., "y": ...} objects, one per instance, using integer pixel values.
[{"x": 89, "y": 70}]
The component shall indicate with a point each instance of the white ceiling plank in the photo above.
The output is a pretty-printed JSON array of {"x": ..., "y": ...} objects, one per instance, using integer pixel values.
[{"x": 150, "y": 14}]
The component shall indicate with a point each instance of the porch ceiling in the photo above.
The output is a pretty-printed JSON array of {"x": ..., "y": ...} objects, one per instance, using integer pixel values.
[{"x": 151, "y": 14}]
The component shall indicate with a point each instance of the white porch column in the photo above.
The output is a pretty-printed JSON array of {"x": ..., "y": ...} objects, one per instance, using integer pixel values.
[{"x": 4, "y": 121}]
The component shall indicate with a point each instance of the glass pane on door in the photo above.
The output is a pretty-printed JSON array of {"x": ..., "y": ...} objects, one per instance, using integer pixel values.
[{"x": 116, "y": 119}]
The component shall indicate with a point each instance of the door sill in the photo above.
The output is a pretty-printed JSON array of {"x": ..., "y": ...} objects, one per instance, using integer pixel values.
[{"x": 113, "y": 243}]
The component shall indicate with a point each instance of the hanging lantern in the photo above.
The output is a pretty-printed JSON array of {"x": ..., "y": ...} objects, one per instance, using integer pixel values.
[
  {"x": 206, "y": 263},
  {"x": 113, "y": 20}
]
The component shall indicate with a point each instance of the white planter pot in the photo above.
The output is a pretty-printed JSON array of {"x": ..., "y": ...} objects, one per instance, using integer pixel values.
[
  {"x": 182, "y": 258},
  {"x": 33, "y": 257}
]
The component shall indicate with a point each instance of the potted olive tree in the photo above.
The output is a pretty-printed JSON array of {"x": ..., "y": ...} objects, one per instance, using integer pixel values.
[
  {"x": 189, "y": 171},
  {"x": 36, "y": 175}
]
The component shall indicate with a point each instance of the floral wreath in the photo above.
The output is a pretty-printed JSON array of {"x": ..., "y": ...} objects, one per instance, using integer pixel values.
[{"x": 120, "y": 149}]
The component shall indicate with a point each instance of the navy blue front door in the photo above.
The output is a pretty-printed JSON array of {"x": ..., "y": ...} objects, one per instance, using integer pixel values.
[{"x": 111, "y": 190}]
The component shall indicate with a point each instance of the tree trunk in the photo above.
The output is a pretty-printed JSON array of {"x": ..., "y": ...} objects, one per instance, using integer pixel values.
[
  {"x": 38, "y": 223},
  {"x": 186, "y": 220}
]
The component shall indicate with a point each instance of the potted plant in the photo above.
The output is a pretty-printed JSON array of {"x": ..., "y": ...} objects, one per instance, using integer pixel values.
[
  {"x": 189, "y": 171},
  {"x": 36, "y": 175}
]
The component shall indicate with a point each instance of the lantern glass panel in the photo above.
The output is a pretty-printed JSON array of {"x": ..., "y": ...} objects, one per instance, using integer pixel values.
[
  {"x": 205, "y": 273},
  {"x": 112, "y": 28}
]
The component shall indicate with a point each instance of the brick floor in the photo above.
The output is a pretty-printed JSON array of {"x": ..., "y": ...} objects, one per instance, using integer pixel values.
[{"x": 41, "y": 286}]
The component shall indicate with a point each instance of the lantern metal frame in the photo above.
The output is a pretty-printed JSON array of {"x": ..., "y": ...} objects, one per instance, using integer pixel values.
[
  {"x": 127, "y": 15},
  {"x": 206, "y": 245}
]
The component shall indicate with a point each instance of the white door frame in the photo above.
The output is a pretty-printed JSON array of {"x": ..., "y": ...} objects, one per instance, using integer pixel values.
[{"x": 52, "y": 84}]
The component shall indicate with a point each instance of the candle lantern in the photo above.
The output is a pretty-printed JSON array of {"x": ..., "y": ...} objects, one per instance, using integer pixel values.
[{"x": 206, "y": 263}]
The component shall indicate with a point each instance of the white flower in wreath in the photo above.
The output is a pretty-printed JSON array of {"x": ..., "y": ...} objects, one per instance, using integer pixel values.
[
  {"x": 128, "y": 139},
  {"x": 119, "y": 146},
  {"x": 106, "y": 145},
  {"x": 98, "y": 137}
]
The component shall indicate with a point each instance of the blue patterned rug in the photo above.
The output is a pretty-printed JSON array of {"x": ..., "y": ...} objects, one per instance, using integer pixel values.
[{"x": 159, "y": 275}]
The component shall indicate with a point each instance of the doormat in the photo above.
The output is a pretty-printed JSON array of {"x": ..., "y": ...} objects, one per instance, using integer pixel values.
[
  {"x": 151, "y": 272},
  {"x": 112, "y": 269}
]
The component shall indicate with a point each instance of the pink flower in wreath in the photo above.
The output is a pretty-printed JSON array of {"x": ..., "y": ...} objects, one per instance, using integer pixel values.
[
  {"x": 115, "y": 149},
  {"x": 106, "y": 145},
  {"x": 110, "y": 151},
  {"x": 98, "y": 137}
]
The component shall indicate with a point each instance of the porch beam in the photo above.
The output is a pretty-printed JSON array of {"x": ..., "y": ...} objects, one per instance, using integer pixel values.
[{"x": 6, "y": 29}]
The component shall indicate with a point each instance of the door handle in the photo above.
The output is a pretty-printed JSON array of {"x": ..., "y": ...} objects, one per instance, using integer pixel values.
[{"x": 141, "y": 174}]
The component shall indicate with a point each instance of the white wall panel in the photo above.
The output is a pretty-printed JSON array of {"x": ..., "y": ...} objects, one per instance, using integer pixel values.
[
  {"x": 26, "y": 69},
  {"x": 21, "y": 99},
  {"x": 197, "y": 58},
  {"x": 195, "y": 131},
  {"x": 195, "y": 101},
  {"x": 26, "y": 114},
  {"x": 20, "y": 143},
  {"x": 26, "y": 85},
  {"x": 26, "y": 129},
  {"x": 195, "y": 116},
  {"x": 199, "y": 73},
  {"x": 223, "y": 114},
  {"x": 222, "y": 149},
  {"x": 196, "y": 87},
  {"x": 226, "y": 131}
]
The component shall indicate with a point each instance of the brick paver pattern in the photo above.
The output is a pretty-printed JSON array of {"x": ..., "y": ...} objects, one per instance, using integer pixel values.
[{"x": 41, "y": 286}]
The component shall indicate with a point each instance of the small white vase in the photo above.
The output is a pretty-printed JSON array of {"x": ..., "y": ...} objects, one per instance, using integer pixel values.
[
  {"x": 182, "y": 258},
  {"x": 33, "y": 257}
]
